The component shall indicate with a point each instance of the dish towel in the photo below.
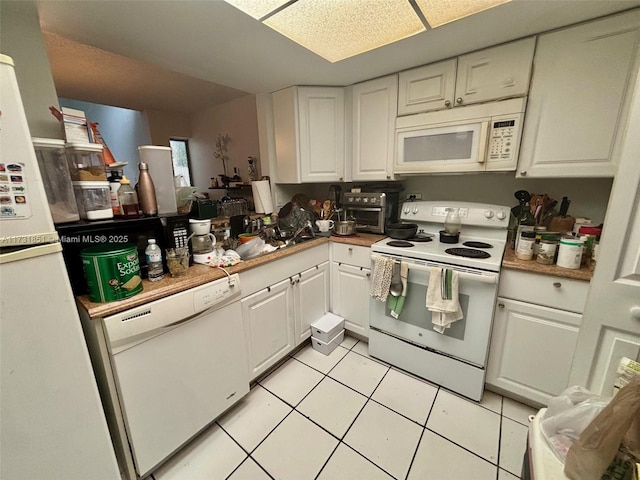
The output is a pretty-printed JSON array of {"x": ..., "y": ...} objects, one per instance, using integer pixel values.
[
  {"x": 396, "y": 304},
  {"x": 381, "y": 278},
  {"x": 442, "y": 298}
]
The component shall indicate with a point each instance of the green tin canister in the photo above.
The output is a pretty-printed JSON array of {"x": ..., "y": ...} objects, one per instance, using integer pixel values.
[{"x": 112, "y": 272}]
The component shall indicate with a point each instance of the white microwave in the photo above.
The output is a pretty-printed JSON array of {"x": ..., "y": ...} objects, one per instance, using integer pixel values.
[{"x": 475, "y": 138}]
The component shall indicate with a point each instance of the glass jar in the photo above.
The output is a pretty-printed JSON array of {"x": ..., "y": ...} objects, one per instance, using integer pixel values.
[
  {"x": 525, "y": 245},
  {"x": 452, "y": 221},
  {"x": 547, "y": 249}
]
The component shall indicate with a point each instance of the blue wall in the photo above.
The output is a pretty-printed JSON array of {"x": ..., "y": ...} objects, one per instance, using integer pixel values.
[{"x": 123, "y": 130}]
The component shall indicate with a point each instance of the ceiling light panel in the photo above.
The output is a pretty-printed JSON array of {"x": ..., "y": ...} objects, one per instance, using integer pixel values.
[
  {"x": 339, "y": 29},
  {"x": 439, "y": 12},
  {"x": 257, "y": 8}
]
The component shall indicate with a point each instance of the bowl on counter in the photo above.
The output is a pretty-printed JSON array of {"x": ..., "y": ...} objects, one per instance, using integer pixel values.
[{"x": 247, "y": 237}]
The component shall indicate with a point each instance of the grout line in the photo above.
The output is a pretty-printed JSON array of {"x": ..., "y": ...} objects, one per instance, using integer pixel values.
[
  {"x": 327, "y": 460},
  {"x": 424, "y": 428},
  {"x": 462, "y": 447}
]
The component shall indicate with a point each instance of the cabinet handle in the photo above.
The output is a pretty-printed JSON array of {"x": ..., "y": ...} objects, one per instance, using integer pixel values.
[
  {"x": 459, "y": 100},
  {"x": 388, "y": 177},
  {"x": 501, "y": 306},
  {"x": 298, "y": 280},
  {"x": 340, "y": 178},
  {"x": 557, "y": 284},
  {"x": 368, "y": 274},
  {"x": 447, "y": 103},
  {"x": 523, "y": 173},
  {"x": 350, "y": 249},
  {"x": 291, "y": 281}
]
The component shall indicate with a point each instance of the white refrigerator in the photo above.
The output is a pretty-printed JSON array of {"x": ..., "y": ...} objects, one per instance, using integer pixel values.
[{"x": 52, "y": 425}]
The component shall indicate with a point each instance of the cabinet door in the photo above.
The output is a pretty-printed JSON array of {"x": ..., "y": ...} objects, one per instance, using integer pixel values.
[
  {"x": 321, "y": 134},
  {"x": 285, "y": 134},
  {"x": 531, "y": 349},
  {"x": 578, "y": 96},
  {"x": 312, "y": 299},
  {"x": 427, "y": 88},
  {"x": 268, "y": 321},
  {"x": 494, "y": 73},
  {"x": 350, "y": 296},
  {"x": 374, "y": 106}
]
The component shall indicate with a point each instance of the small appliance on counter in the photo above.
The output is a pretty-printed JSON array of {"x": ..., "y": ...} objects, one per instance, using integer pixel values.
[
  {"x": 202, "y": 240},
  {"x": 204, "y": 208},
  {"x": 372, "y": 210}
]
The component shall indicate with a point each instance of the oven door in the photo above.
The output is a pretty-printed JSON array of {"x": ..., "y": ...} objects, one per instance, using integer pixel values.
[
  {"x": 446, "y": 147},
  {"x": 368, "y": 219},
  {"x": 468, "y": 338}
]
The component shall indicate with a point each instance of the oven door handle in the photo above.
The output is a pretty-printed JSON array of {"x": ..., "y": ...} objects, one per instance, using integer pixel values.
[
  {"x": 365, "y": 209},
  {"x": 476, "y": 277},
  {"x": 483, "y": 277}
]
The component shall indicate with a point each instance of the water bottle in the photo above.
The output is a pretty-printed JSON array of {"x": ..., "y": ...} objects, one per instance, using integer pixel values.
[{"x": 154, "y": 261}]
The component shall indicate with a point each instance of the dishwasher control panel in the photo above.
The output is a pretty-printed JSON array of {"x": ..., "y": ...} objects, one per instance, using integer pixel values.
[{"x": 217, "y": 292}]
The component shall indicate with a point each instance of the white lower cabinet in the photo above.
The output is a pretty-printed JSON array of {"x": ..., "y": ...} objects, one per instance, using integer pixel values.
[
  {"x": 277, "y": 318},
  {"x": 350, "y": 285},
  {"x": 532, "y": 344},
  {"x": 311, "y": 298},
  {"x": 268, "y": 318}
]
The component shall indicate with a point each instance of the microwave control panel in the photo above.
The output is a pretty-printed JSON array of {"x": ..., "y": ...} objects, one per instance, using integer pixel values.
[{"x": 504, "y": 138}]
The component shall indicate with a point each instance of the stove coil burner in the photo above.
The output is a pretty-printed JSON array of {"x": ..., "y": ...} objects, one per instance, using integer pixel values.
[
  {"x": 421, "y": 238},
  {"x": 477, "y": 245},
  {"x": 400, "y": 243},
  {"x": 467, "y": 252}
]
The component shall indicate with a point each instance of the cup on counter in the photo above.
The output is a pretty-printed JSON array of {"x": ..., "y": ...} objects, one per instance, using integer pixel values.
[
  {"x": 178, "y": 261},
  {"x": 324, "y": 225}
]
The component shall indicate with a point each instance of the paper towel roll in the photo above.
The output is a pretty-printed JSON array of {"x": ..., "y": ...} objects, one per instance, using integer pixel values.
[{"x": 262, "y": 196}]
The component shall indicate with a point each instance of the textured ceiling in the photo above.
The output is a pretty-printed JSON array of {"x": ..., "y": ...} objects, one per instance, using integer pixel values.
[
  {"x": 211, "y": 41},
  {"x": 86, "y": 73}
]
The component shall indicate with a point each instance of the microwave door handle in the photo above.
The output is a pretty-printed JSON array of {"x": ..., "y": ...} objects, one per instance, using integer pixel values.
[{"x": 484, "y": 132}]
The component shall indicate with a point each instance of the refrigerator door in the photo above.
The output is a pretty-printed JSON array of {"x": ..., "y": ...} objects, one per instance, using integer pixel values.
[
  {"x": 25, "y": 218},
  {"x": 53, "y": 424}
]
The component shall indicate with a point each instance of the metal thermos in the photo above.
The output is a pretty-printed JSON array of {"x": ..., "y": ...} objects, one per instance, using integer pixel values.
[{"x": 147, "y": 192}]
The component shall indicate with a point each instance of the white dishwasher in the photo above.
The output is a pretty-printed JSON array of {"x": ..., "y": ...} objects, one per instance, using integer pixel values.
[{"x": 178, "y": 363}]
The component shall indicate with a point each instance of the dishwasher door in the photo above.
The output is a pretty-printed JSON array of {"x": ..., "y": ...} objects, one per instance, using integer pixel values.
[{"x": 175, "y": 383}]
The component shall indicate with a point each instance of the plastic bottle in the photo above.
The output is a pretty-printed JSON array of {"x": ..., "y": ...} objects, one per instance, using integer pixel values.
[
  {"x": 114, "y": 185},
  {"x": 128, "y": 198},
  {"x": 147, "y": 191},
  {"x": 153, "y": 254}
]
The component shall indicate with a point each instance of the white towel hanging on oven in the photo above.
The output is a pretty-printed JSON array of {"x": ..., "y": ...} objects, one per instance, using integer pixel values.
[
  {"x": 443, "y": 298},
  {"x": 381, "y": 277}
]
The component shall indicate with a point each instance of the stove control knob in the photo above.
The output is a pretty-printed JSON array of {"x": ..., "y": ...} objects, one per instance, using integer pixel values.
[
  {"x": 415, "y": 210},
  {"x": 488, "y": 213},
  {"x": 501, "y": 215},
  {"x": 350, "y": 199},
  {"x": 406, "y": 210}
]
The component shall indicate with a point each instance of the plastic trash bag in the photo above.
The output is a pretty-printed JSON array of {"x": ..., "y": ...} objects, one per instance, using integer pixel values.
[
  {"x": 567, "y": 416},
  {"x": 613, "y": 435}
]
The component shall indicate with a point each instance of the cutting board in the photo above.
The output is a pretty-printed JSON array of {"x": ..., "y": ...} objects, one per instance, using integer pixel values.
[{"x": 561, "y": 224}]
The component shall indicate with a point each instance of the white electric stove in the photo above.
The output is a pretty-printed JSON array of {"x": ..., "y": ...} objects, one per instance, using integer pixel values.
[{"x": 457, "y": 358}]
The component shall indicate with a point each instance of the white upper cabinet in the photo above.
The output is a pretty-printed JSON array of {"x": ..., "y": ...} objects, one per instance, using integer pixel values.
[
  {"x": 490, "y": 74},
  {"x": 309, "y": 134},
  {"x": 494, "y": 73},
  {"x": 373, "y": 112},
  {"x": 427, "y": 88},
  {"x": 579, "y": 93}
]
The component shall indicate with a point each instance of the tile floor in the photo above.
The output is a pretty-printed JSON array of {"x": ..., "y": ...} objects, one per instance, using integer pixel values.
[{"x": 348, "y": 416}]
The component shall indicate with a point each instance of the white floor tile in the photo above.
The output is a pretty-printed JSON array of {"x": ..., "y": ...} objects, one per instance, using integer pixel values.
[
  {"x": 296, "y": 450},
  {"x": 406, "y": 395},
  {"x": 318, "y": 360},
  {"x": 249, "y": 470},
  {"x": 504, "y": 475},
  {"x": 362, "y": 348},
  {"x": 517, "y": 411},
  {"x": 213, "y": 454},
  {"x": 492, "y": 401},
  {"x": 332, "y": 406},
  {"x": 348, "y": 342},
  {"x": 292, "y": 381},
  {"x": 345, "y": 464},
  {"x": 467, "y": 424},
  {"x": 384, "y": 437},
  {"x": 513, "y": 442},
  {"x": 254, "y": 417},
  {"x": 440, "y": 459},
  {"x": 358, "y": 372}
]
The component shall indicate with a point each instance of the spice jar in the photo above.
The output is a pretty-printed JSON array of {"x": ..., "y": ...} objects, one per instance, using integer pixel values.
[
  {"x": 525, "y": 245},
  {"x": 570, "y": 253},
  {"x": 547, "y": 249}
]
